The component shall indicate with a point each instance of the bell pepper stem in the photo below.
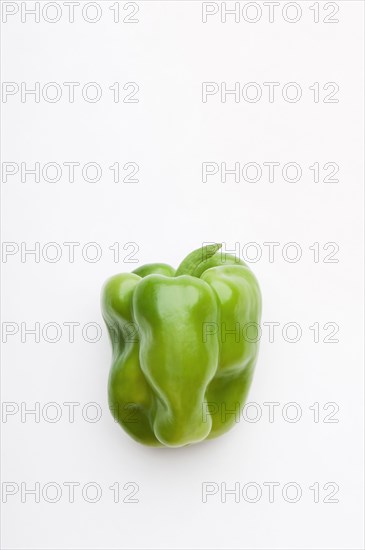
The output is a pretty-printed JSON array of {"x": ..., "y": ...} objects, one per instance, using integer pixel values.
[{"x": 196, "y": 259}]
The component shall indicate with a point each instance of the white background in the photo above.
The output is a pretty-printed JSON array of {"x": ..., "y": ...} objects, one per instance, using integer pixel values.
[{"x": 169, "y": 133}]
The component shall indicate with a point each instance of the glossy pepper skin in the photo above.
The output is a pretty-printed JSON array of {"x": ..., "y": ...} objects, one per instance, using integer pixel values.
[{"x": 182, "y": 360}]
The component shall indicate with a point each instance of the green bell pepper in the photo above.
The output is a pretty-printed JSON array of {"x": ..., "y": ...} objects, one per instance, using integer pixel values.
[{"x": 182, "y": 361}]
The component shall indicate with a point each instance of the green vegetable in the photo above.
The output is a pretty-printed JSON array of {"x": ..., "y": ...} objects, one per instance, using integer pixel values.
[{"x": 182, "y": 358}]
